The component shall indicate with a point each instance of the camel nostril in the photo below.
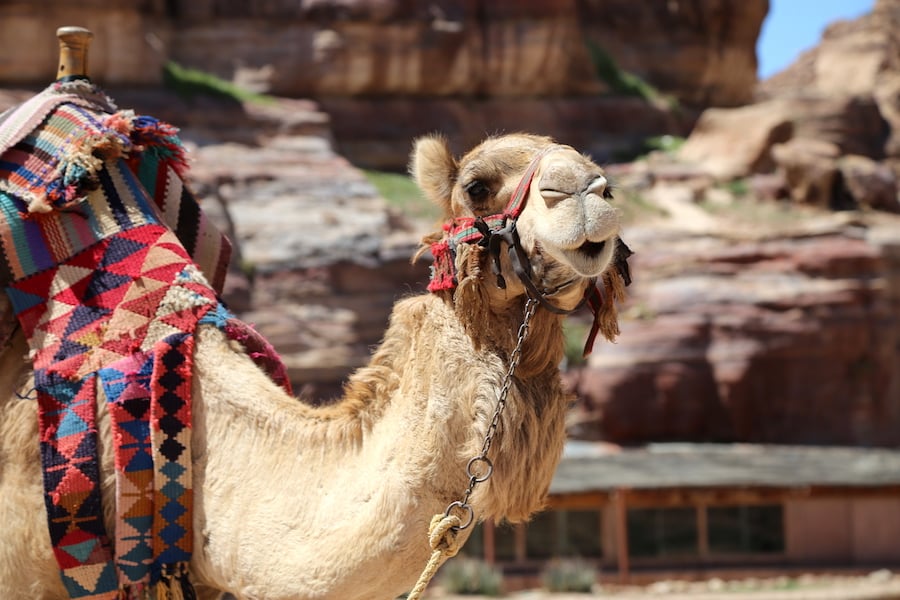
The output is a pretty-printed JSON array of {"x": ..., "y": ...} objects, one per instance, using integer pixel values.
[{"x": 599, "y": 186}]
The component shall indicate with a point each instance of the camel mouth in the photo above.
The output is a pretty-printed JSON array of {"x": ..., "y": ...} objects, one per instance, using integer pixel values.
[
  {"x": 590, "y": 258},
  {"x": 592, "y": 249}
]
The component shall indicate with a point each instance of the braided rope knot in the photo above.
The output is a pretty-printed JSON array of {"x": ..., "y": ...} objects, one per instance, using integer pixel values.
[{"x": 443, "y": 533}]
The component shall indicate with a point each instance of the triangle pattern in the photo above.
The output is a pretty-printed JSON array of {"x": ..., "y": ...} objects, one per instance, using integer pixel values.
[
  {"x": 22, "y": 300},
  {"x": 80, "y": 550}
]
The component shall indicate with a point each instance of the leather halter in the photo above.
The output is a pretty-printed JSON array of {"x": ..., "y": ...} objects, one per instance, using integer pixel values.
[
  {"x": 492, "y": 231},
  {"x": 489, "y": 232}
]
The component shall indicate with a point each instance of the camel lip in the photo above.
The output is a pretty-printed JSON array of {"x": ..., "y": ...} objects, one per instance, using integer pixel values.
[
  {"x": 589, "y": 259},
  {"x": 592, "y": 249}
]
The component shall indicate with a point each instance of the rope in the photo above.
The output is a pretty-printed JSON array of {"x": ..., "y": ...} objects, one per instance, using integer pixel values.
[{"x": 442, "y": 536}]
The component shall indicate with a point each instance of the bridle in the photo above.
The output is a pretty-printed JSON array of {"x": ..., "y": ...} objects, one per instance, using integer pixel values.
[{"x": 493, "y": 231}]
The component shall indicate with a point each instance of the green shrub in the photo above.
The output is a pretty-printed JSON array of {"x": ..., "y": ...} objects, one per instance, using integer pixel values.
[
  {"x": 619, "y": 80},
  {"x": 664, "y": 143},
  {"x": 574, "y": 335},
  {"x": 569, "y": 575},
  {"x": 469, "y": 576},
  {"x": 738, "y": 187},
  {"x": 187, "y": 83}
]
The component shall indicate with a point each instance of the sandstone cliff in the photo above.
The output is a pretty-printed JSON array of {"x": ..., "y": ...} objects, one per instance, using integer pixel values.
[
  {"x": 388, "y": 70},
  {"x": 760, "y": 315},
  {"x": 750, "y": 319}
]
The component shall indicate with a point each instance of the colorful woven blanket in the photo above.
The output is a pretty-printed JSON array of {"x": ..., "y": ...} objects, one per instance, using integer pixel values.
[{"x": 106, "y": 261}]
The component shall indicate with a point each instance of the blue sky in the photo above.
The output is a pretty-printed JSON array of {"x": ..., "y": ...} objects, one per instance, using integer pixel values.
[{"x": 793, "y": 26}]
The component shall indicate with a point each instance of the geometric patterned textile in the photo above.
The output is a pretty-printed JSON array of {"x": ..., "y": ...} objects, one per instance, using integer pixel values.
[
  {"x": 255, "y": 345},
  {"x": 55, "y": 162},
  {"x": 106, "y": 260},
  {"x": 129, "y": 319}
]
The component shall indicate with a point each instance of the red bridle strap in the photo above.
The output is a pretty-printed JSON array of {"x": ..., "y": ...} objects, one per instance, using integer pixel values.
[{"x": 472, "y": 230}]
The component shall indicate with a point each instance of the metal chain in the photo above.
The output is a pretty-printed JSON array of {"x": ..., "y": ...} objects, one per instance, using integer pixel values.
[{"x": 480, "y": 475}]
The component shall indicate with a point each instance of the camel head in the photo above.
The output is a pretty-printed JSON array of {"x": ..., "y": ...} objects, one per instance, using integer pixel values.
[{"x": 541, "y": 213}]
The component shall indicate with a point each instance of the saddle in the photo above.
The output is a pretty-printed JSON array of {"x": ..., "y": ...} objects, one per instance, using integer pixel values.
[{"x": 109, "y": 267}]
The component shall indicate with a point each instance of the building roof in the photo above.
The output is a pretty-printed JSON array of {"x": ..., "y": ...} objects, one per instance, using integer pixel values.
[{"x": 591, "y": 467}]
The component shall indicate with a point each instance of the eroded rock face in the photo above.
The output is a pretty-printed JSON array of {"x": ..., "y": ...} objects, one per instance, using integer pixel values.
[
  {"x": 700, "y": 52},
  {"x": 564, "y": 68},
  {"x": 731, "y": 143},
  {"x": 703, "y": 53},
  {"x": 845, "y": 94},
  {"x": 854, "y": 58},
  {"x": 321, "y": 258},
  {"x": 810, "y": 169},
  {"x": 789, "y": 339}
]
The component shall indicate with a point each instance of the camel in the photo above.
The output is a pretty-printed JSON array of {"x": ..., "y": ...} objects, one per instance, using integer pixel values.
[{"x": 295, "y": 501}]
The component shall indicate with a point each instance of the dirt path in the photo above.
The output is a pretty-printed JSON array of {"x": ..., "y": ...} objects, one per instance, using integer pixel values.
[{"x": 879, "y": 585}]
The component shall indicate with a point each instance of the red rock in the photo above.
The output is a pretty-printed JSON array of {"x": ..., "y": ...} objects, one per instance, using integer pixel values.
[{"x": 785, "y": 340}]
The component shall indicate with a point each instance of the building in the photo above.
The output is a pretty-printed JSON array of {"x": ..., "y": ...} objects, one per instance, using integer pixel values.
[{"x": 691, "y": 508}]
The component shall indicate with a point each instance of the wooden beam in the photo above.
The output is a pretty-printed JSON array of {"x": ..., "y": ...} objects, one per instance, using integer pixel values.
[
  {"x": 744, "y": 494},
  {"x": 702, "y": 531},
  {"x": 520, "y": 550},
  {"x": 490, "y": 542},
  {"x": 580, "y": 501},
  {"x": 621, "y": 512}
]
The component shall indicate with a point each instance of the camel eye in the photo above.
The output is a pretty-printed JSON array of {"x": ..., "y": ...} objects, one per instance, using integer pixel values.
[{"x": 477, "y": 191}]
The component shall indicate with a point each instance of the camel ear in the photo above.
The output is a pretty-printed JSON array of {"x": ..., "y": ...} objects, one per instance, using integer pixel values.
[{"x": 434, "y": 169}]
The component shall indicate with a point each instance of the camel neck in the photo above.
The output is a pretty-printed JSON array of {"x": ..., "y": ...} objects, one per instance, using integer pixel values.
[{"x": 375, "y": 467}]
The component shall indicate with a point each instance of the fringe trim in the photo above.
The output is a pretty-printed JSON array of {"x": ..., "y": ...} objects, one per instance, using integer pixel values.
[
  {"x": 149, "y": 135},
  {"x": 125, "y": 135},
  {"x": 604, "y": 303},
  {"x": 443, "y": 271},
  {"x": 174, "y": 584}
]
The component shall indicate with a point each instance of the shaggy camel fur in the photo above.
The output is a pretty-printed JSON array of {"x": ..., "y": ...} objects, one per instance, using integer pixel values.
[{"x": 294, "y": 501}]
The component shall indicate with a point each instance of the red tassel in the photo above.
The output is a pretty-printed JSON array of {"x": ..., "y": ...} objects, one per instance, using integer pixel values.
[{"x": 443, "y": 270}]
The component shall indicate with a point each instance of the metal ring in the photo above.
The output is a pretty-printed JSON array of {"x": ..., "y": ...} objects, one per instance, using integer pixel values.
[
  {"x": 461, "y": 506},
  {"x": 489, "y": 469}
]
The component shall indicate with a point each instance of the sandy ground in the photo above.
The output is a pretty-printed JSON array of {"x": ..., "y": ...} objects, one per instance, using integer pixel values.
[{"x": 879, "y": 585}]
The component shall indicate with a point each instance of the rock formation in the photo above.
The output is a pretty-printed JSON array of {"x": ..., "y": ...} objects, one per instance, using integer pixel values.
[
  {"x": 593, "y": 72},
  {"x": 828, "y": 125},
  {"x": 748, "y": 320},
  {"x": 760, "y": 316},
  {"x": 778, "y": 332}
]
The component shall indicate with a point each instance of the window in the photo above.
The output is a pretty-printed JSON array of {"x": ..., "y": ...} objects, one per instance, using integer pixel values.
[
  {"x": 582, "y": 537},
  {"x": 542, "y": 538},
  {"x": 745, "y": 529},
  {"x": 662, "y": 532},
  {"x": 474, "y": 546},
  {"x": 564, "y": 533},
  {"x": 505, "y": 541}
]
